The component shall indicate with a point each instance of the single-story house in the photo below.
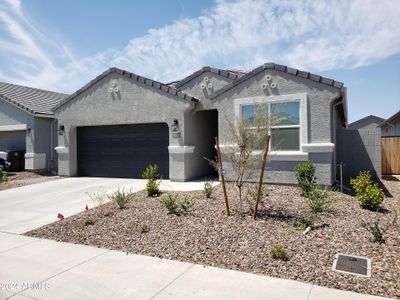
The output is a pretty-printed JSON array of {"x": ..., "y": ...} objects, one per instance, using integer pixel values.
[
  {"x": 28, "y": 124},
  {"x": 120, "y": 122},
  {"x": 390, "y": 129},
  {"x": 391, "y": 126}
]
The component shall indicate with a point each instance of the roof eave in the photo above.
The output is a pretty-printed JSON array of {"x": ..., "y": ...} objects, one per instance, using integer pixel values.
[
  {"x": 149, "y": 82},
  {"x": 272, "y": 66}
]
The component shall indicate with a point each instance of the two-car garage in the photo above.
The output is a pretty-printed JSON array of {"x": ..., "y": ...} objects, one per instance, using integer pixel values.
[{"x": 122, "y": 150}]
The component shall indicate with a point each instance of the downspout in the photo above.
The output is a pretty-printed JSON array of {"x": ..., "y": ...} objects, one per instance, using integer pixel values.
[
  {"x": 52, "y": 144},
  {"x": 334, "y": 104}
]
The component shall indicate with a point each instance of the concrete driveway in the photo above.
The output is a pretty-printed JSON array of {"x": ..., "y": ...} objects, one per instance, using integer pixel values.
[{"x": 29, "y": 207}]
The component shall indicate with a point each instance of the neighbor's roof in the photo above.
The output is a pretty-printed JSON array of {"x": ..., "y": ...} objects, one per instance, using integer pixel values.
[
  {"x": 229, "y": 73},
  {"x": 392, "y": 118},
  {"x": 31, "y": 100},
  {"x": 149, "y": 82},
  {"x": 273, "y": 66}
]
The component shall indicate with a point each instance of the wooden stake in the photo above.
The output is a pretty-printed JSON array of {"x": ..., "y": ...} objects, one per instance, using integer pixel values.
[
  {"x": 222, "y": 176},
  {"x": 261, "y": 176}
]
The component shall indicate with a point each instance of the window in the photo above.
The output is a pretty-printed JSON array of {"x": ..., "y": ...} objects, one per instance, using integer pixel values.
[{"x": 285, "y": 134}]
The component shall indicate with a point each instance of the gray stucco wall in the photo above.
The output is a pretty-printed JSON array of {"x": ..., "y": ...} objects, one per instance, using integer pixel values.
[
  {"x": 319, "y": 120},
  {"x": 42, "y": 132},
  {"x": 135, "y": 103},
  {"x": 360, "y": 150}
]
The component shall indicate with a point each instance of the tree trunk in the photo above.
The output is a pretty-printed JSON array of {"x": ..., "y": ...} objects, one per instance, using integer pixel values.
[
  {"x": 222, "y": 176},
  {"x": 261, "y": 176}
]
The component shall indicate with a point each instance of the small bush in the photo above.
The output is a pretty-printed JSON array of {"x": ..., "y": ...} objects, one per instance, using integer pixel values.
[
  {"x": 144, "y": 228},
  {"x": 377, "y": 229},
  {"x": 279, "y": 252},
  {"x": 89, "y": 221},
  {"x": 369, "y": 195},
  {"x": 317, "y": 199},
  {"x": 305, "y": 175},
  {"x": 153, "y": 183},
  {"x": 208, "y": 188},
  {"x": 121, "y": 197},
  {"x": 151, "y": 172},
  {"x": 98, "y": 198},
  {"x": 174, "y": 206},
  {"x": 3, "y": 174},
  {"x": 302, "y": 223},
  {"x": 152, "y": 188}
]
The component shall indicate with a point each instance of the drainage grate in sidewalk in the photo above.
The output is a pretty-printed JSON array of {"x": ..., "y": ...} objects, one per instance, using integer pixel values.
[{"x": 354, "y": 265}]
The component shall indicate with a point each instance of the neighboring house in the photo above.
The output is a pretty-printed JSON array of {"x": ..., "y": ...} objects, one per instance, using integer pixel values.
[
  {"x": 391, "y": 126},
  {"x": 26, "y": 123},
  {"x": 391, "y": 145},
  {"x": 359, "y": 147},
  {"x": 120, "y": 122}
]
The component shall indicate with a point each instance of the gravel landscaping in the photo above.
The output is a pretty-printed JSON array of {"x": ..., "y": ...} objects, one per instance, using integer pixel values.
[
  {"x": 205, "y": 235},
  {"x": 18, "y": 179}
]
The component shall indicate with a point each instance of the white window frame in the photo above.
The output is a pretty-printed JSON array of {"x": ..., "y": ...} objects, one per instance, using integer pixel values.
[{"x": 303, "y": 121}]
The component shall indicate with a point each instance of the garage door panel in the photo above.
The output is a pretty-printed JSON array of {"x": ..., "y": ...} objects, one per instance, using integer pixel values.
[{"x": 122, "y": 151}]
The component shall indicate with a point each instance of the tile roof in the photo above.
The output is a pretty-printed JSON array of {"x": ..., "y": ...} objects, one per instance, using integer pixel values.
[
  {"x": 273, "y": 66},
  {"x": 32, "y": 100},
  {"x": 390, "y": 119},
  {"x": 149, "y": 82},
  {"x": 233, "y": 74}
]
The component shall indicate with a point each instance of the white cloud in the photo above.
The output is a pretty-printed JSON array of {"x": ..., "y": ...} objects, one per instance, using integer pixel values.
[{"x": 313, "y": 35}]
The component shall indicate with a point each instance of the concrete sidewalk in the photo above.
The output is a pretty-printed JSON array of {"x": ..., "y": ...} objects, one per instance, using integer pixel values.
[{"x": 33, "y": 268}]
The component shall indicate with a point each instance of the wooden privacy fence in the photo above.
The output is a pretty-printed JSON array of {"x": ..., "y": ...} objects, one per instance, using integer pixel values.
[{"x": 391, "y": 155}]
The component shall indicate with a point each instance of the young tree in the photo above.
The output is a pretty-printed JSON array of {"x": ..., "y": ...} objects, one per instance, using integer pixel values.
[{"x": 247, "y": 141}]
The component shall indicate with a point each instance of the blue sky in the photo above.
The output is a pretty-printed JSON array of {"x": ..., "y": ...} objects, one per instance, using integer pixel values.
[{"x": 61, "y": 45}]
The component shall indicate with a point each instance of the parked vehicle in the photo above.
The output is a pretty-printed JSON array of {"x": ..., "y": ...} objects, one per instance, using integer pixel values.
[{"x": 12, "y": 161}]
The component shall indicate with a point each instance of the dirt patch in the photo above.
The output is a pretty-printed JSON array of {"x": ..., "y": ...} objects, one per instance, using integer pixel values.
[
  {"x": 18, "y": 179},
  {"x": 206, "y": 236}
]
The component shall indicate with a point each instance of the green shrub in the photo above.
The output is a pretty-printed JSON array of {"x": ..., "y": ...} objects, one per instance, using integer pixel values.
[
  {"x": 317, "y": 199},
  {"x": 98, "y": 198},
  {"x": 151, "y": 172},
  {"x": 279, "y": 252},
  {"x": 152, "y": 188},
  {"x": 121, "y": 197},
  {"x": 174, "y": 206},
  {"x": 3, "y": 174},
  {"x": 89, "y": 221},
  {"x": 208, "y": 188},
  {"x": 144, "y": 228},
  {"x": 305, "y": 175},
  {"x": 369, "y": 195},
  {"x": 377, "y": 229},
  {"x": 302, "y": 223},
  {"x": 153, "y": 183}
]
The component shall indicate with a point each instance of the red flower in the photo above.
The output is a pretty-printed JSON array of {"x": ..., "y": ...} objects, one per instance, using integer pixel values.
[
  {"x": 86, "y": 208},
  {"x": 60, "y": 216}
]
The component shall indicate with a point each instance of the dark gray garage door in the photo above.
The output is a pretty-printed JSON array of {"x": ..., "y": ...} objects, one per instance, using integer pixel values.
[
  {"x": 12, "y": 140},
  {"x": 123, "y": 150}
]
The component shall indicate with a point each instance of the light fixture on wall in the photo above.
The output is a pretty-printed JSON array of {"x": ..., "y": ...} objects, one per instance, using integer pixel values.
[
  {"x": 28, "y": 130},
  {"x": 61, "y": 130},
  {"x": 176, "y": 133}
]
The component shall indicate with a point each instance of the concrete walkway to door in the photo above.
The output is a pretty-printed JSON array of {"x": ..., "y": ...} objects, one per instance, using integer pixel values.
[{"x": 29, "y": 207}]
